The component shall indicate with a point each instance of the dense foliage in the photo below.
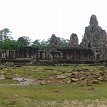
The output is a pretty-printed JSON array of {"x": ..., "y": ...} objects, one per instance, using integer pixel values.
[{"x": 7, "y": 42}]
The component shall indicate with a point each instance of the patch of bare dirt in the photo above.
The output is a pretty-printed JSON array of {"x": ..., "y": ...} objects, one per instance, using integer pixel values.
[{"x": 72, "y": 103}]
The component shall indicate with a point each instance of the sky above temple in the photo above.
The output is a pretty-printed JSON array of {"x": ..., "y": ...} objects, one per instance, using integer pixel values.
[{"x": 39, "y": 19}]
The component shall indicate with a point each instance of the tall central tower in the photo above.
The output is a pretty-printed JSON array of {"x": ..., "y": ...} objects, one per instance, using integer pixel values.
[{"x": 95, "y": 38}]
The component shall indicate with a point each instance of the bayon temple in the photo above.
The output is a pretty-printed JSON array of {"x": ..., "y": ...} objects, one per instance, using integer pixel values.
[{"x": 93, "y": 48}]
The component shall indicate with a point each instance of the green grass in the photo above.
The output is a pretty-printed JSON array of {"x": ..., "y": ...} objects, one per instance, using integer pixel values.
[
  {"x": 43, "y": 71},
  {"x": 25, "y": 71},
  {"x": 9, "y": 81},
  {"x": 56, "y": 91},
  {"x": 26, "y": 96}
]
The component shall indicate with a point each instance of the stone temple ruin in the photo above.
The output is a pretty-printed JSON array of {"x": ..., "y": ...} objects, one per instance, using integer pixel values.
[
  {"x": 73, "y": 40},
  {"x": 95, "y": 38},
  {"x": 93, "y": 48}
]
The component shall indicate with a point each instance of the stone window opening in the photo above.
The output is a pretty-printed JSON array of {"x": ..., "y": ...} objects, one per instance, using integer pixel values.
[
  {"x": 89, "y": 45},
  {"x": 92, "y": 29}
]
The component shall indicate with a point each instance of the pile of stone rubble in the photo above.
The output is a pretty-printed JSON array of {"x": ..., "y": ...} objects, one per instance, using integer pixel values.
[{"x": 88, "y": 76}]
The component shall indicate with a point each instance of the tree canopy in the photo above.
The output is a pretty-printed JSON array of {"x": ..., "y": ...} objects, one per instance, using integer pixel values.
[
  {"x": 7, "y": 42},
  {"x": 23, "y": 41}
]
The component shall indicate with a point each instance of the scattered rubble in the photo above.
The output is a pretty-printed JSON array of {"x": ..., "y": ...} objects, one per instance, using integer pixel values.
[
  {"x": 62, "y": 76},
  {"x": 2, "y": 77},
  {"x": 88, "y": 76},
  {"x": 79, "y": 76}
]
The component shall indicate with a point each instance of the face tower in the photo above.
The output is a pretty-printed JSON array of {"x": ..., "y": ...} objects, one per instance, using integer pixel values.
[{"x": 95, "y": 38}]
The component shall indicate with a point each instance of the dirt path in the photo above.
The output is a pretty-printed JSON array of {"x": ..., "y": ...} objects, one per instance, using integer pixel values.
[{"x": 73, "y": 103}]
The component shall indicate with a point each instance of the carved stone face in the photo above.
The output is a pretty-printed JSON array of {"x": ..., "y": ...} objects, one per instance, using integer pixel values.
[
  {"x": 73, "y": 40},
  {"x": 93, "y": 20}
]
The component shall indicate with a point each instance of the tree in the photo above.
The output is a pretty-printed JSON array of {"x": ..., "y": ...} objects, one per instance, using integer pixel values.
[
  {"x": 6, "y": 41},
  {"x": 5, "y": 34},
  {"x": 44, "y": 44},
  {"x": 23, "y": 41},
  {"x": 36, "y": 43},
  {"x": 40, "y": 44},
  {"x": 64, "y": 42},
  {"x": 9, "y": 44}
]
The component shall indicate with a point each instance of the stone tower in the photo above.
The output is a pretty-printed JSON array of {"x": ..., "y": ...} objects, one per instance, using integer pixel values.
[
  {"x": 73, "y": 40},
  {"x": 54, "y": 41},
  {"x": 95, "y": 38}
]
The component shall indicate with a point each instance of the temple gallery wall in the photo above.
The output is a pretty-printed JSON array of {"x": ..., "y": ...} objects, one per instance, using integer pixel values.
[{"x": 92, "y": 48}]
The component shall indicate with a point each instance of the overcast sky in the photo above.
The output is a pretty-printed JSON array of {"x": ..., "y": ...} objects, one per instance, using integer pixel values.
[{"x": 39, "y": 19}]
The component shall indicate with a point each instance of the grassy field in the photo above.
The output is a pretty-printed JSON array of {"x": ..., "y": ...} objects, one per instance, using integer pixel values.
[
  {"x": 49, "y": 95},
  {"x": 42, "y": 71},
  {"x": 30, "y": 96}
]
